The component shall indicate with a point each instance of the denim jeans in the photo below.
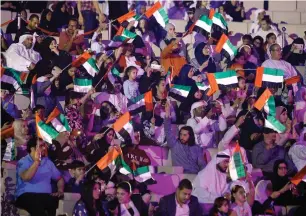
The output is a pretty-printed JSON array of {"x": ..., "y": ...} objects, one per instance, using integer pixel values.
[{"x": 90, "y": 21}]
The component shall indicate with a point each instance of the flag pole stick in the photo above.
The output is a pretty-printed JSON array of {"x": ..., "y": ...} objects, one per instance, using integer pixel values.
[{"x": 90, "y": 169}]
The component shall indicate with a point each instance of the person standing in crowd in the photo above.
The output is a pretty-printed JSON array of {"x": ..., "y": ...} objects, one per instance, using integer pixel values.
[
  {"x": 87, "y": 15},
  {"x": 60, "y": 17},
  {"x": 184, "y": 151},
  {"x": 70, "y": 40},
  {"x": 21, "y": 56},
  {"x": 276, "y": 62},
  {"x": 265, "y": 154},
  {"x": 295, "y": 52},
  {"x": 45, "y": 21},
  {"x": 12, "y": 27},
  {"x": 131, "y": 86},
  {"x": 201, "y": 9},
  {"x": 30, "y": 29},
  {"x": 211, "y": 182},
  {"x": 181, "y": 202},
  {"x": 235, "y": 9},
  {"x": 34, "y": 174}
]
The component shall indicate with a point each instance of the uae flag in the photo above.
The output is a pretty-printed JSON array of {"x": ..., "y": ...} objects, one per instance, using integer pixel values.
[
  {"x": 159, "y": 13},
  {"x": 269, "y": 77},
  {"x": 202, "y": 86},
  {"x": 226, "y": 48},
  {"x": 113, "y": 75},
  {"x": 219, "y": 26},
  {"x": 91, "y": 67},
  {"x": 136, "y": 104},
  {"x": 236, "y": 167},
  {"x": 109, "y": 159},
  {"x": 81, "y": 60},
  {"x": 203, "y": 25},
  {"x": 169, "y": 77},
  {"x": 129, "y": 17},
  {"x": 125, "y": 36},
  {"x": 180, "y": 90},
  {"x": 222, "y": 79},
  {"x": 266, "y": 101},
  {"x": 44, "y": 131},
  {"x": 300, "y": 176},
  {"x": 58, "y": 121},
  {"x": 82, "y": 85},
  {"x": 141, "y": 174},
  {"x": 13, "y": 80},
  {"x": 123, "y": 127},
  {"x": 272, "y": 123}
]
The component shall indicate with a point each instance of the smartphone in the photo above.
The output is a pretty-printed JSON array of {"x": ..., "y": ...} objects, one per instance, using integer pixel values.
[
  {"x": 298, "y": 49},
  {"x": 155, "y": 67}
]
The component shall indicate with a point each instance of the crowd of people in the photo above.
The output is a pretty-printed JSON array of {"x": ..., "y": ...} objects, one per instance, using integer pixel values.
[{"x": 190, "y": 124}]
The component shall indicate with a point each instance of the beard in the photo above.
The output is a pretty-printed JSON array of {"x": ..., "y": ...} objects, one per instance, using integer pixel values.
[{"x": 220, "y": 168}]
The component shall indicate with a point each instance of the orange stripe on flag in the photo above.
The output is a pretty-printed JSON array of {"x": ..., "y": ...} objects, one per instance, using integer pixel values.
[
  {"x": 220, "y": 43},
  {"x": 299, "y": 176},
  {"x": 260, "y": 103},
  {"x": 8, "y": 132},
  {"x": 34, "y": 80},
  {"x": 23, "y": 76},
  {"x": 119, "y": 32},
  {"x": 37, "y": 120},
  {"x": 125, "y": 118},
  {"x": 56, "y": 112},
  {"x": 292, "y": 80},
  {"x": 258, "y": 78},
  {"x": 2, "y": 71},
  {"x": 148, "y": 97},
  {"x": 81, "y": 59},
  {"x": 126, "y": 16},
  {"x": 153, "y": 9},
  {"x": 211, "y": 13},
  {"x": 212, "y": 82},
  {"x": 108, "y": 158}
]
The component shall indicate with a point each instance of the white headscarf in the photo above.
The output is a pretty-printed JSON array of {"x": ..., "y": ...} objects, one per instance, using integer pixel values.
[
  {"x": 257, "y": 12},
  {"x": 196, "y": 105},
  {"x": 22, "y": 38},
  {"x": 260, "y": 191},
  {"x": 210, "y": 179}
]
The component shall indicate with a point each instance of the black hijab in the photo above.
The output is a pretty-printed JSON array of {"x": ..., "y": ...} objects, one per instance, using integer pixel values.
[
  {"x": 201, "y": 58},
  {"x": 279, "y": 182},
  {"x": 182, "y": 78},
  {"x": 44, "y": 23},
  {"x": 59, "y": 19}
]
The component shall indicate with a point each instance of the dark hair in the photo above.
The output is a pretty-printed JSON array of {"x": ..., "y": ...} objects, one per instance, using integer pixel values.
[
  {"x": 72, "y": 95},
  {"x": 87, "y": 198},
  {"x": 191, "y": 140},
  {"x": 247, "y": 37},
  {"x": 34, "y": 16},
  {"x": 125, "y": 186},
  {"x": 235, "y": 190},
  {"x": 268, "y": 130},
  {"x": 76, "y": 164},
  {"x": 74, "y": 20},
  {"x": 217, "y": 204},
  {"x": 99, "y": 36},
  {"x": 258, "y": 38},
  {"x": 298, "y": 41},
  {"x": 267, "y": 19},
  {"x": 103, "y": 114},
  {"x": 239, "y": 54},
  {"x": 31, "y": 143},
  {"x": 270, "y": 35},
  {"x": 277, "y": 163},
  {"x": 128, "y": 70},
  {"x": 37, "y": 107},
  {"x": 156, "y": 84},
  {"x": 272, "y": 46},
  {"x": 185, "y": 183},
  {"x": 103, "y": 139}
]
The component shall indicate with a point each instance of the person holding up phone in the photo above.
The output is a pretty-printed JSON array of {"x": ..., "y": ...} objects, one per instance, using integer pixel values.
[
  {"x": 235, "y": 9},
  {"x": 294, "y": 53}
]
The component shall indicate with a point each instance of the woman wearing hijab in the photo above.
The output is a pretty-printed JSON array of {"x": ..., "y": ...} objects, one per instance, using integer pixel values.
[
  {"x": 45, "y": 20},
  {"x": 281, "y": 182},
  {"x": 204, "y": 61},
  {"x": 60, "y": 16},
  {"x": 294, "y": 53}
]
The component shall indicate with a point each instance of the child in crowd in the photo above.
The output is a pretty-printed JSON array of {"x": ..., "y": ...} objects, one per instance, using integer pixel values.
[
  {"x": 77, "y": 172},
  {"x": 130, "y": 86}
]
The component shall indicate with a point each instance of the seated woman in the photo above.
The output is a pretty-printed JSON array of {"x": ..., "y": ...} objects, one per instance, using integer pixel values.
[
  {"x": 204, "y": 61},
  {"x": 90, "y": 203},
  {"x": 281, "y": 182},
  {"x": 127, "y": 204}
]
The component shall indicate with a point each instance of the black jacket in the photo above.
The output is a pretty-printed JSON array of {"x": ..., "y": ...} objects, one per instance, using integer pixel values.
[{"x": 167, "y": 206}]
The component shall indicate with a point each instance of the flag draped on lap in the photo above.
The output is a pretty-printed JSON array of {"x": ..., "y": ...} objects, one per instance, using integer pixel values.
[
  {"x": 203, "y": 25},
  {"x": 236, "y": 167},
  {"x": 272, "y": 123},
  {"x": 180, "y": 90},
  {"x": 44, "y": 131},
  {"x": 58, "y": 121},
  {"x": 225, "y": 78},
  {"x": 13, "y": 78},
  {"x": 81, "y": 60},
  {"x": 91, "y": 67},
  {"x": 159, "y": 13},
  {"x": 266, "y": 101},
  {"x": 82, "y": 85},
  {"x": 269, "y": 77},
  {"x": 144, "y": 100},
  {"x": 123, "y": 126},
  {"x": 125, "y": 35},
  {"x": 225, "y": 47}
]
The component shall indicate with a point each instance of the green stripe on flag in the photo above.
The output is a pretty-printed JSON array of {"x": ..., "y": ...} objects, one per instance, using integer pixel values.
[
  {"x": 47, "y": 132},
  {"x": 82, "y": 82},
  {"x": 91, "y": 67},
  {"x": 232, "y": 47},
  {"x": 128, "y": 34},
  {"x": 164, "y": 15},
  {"x": 115, "y": 72},
  {"x": 64, "y": 121},
  {"x": 270, "y": 106},
  {"x": 239, "y": 165},
  {"x": 15, "y": 74},
  {"x": 225, "y": 74},
  {"x": 220, "y": 21},
  {"x": 182, "y": 87},
  {"x": 272, "y": 123},
  {"x": 273, "y": 72}
]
